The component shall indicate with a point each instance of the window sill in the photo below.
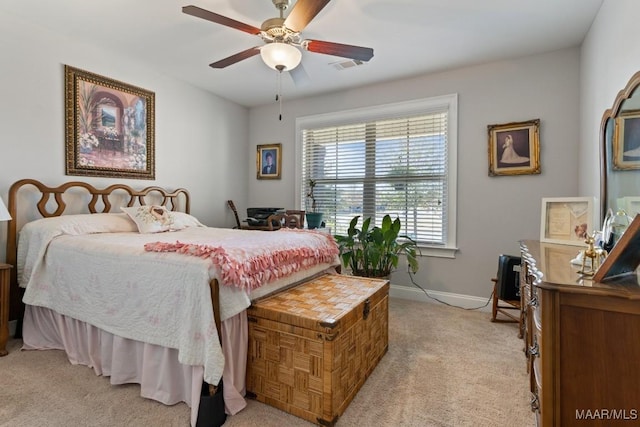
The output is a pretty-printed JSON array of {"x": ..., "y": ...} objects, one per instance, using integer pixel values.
[{"x": 438, "y": 252}]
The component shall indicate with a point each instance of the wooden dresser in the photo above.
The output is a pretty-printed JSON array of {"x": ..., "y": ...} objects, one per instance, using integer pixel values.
[{"x": 582, "y": 341}]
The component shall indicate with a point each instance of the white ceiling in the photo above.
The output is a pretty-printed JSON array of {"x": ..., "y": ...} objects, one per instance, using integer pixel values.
[{"x": 409, "y": 37}]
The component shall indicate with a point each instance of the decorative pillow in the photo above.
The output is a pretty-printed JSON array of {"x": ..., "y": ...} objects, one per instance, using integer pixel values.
[
  {"x": 184, "y": 220},
  {"x": 149, "y": 219},
  {"x": 78, "y": 224},
  {"x": 156, "y": 219}
]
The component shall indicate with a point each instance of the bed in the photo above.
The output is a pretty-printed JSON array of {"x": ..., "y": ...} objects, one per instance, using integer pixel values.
[{"x": 128, "y": 283}]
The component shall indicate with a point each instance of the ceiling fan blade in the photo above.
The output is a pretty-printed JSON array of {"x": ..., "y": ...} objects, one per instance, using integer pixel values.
[
  {"x": 337, "y": 49},
  {"x": 219, "y": 19},
  {"x": 236, "y": 58},
  {"x": 303, "y": 12},
  {"x": 299, "y": 76}
]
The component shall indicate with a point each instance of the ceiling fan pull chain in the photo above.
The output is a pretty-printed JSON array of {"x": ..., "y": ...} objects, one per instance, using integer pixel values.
[{"x": 279, "y": 94}]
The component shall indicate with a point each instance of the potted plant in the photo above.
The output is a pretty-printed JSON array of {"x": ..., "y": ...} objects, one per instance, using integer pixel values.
[
  {"x": 314, "y": 218},
  {"x": 374, "y": 251}
]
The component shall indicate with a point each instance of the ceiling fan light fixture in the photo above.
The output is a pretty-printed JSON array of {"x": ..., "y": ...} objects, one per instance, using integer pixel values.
[{"x": 280, "y": 56}]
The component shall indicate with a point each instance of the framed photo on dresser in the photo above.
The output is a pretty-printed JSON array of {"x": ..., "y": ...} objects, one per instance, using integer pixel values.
[
  {"x": 624, "y": 258},
  {"x": 567, "y": 220}
]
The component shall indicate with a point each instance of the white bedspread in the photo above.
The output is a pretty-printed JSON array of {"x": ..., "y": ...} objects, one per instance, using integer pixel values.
[{"x": 110, "y": 281}]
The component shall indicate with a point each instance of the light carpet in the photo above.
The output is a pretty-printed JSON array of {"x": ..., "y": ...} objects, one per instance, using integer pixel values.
[{"x": 445, "y": 367}]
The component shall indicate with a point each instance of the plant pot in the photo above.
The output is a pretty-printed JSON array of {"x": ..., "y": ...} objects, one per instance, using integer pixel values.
[
  {"x": 375, "y": 275},
  {"x": 314, "y": 219}
]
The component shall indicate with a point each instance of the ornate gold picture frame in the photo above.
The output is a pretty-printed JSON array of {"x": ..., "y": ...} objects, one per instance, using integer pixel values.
[
  {"x": 109, "y": 127},
  {"x": 269, "y": 161},
  {"x": 626, "y": 141},
  {"x": 514, "y": 148}
]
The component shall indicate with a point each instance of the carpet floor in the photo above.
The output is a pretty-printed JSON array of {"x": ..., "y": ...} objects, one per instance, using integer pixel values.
[{"x": 445, "y": 367}]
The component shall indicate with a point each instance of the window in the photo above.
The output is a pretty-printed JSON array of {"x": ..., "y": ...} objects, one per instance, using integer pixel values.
[{"x": 397, "y": 159}]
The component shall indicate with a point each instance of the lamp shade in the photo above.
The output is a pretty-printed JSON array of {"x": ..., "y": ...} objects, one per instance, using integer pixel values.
[
  {"x": 278, "y": 55},
  {"x": 4, "y": 213}
]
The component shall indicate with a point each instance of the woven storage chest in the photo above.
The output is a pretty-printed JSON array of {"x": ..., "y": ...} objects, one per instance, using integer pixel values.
[{"x": 312, "y": 347}]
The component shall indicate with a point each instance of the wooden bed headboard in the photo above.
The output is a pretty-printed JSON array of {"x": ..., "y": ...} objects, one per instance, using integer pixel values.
[{"x": 74, "y": 197}]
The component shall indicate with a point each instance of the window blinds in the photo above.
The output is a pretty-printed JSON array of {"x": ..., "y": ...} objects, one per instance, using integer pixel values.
[{"x": 394, "y": 166}]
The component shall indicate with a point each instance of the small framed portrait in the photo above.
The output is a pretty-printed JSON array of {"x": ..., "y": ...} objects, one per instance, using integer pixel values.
[
  {"x": 514, "y": 148},
  {"x": 567, "y": 220},
  {"x": 268, "y": 161},
  {"x": 626, "y": 141}
]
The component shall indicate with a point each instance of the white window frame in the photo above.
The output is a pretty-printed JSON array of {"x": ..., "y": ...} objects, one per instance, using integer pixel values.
[{"x": 395, "y": 110}]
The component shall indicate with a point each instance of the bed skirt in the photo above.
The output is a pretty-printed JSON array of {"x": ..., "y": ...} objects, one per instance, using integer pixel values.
[{"x": 157, "y": 369}]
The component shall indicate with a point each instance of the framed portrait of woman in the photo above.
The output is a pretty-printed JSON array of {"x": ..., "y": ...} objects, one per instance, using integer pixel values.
[
  {"x": 626, "y": 141},
  {"x": 514, "y": 148}
]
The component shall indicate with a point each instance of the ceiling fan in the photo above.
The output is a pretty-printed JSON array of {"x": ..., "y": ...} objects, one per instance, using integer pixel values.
[{"x": 282, "y": 36}]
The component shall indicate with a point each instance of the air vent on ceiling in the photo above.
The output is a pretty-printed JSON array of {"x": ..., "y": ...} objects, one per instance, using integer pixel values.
[{"x": 343, "y": 65}]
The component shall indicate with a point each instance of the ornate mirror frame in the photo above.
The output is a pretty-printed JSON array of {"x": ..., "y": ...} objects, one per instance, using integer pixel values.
[{"x": 619, "y": 165}]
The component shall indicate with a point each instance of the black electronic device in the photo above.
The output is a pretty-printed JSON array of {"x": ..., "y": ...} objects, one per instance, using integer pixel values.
[
  {"x": 258, "y": 216},
  {"x": 508, "y": 280}
]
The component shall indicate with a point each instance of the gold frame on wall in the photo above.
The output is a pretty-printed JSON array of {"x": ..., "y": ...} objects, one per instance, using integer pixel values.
[
  {"x": 514, "y": 148},
  {"x": 109, "y": 127},
  {"x": 626, "y": 141},
  {"x": 273, "y": 150}
]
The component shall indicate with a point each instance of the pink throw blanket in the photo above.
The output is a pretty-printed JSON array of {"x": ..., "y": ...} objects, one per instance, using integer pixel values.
[{"x": 257, "y": 258}]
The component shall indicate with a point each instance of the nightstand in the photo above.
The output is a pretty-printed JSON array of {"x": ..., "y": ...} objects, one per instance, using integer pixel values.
[{"x": 5, "y": 269}]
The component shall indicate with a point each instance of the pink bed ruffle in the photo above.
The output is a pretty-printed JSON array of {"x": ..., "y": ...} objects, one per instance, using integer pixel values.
[
  {"x": 157, "y": 369},
  {"x": 254, "y": 271}
]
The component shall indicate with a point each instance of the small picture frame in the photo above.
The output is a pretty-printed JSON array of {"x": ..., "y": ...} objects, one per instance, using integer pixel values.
[
  {"x": 567, "y": 220},
  {"x": 514, "y": 148},
  {"x": 269, "y": 161},
  {"x": 626, "y": 141},
  {"x": 624, "y": 258}
]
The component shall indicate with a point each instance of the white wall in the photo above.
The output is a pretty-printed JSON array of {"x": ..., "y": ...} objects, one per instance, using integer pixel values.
[
  {"x": 203, "y": 144},
  {"x": 493, "y": 212},
  {"x": 610, "y": 56},
  {"x": 200, "y": 138}
]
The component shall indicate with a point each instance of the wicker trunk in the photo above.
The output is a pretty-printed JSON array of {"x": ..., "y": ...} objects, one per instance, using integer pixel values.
[{"x": 312, "y": 347}]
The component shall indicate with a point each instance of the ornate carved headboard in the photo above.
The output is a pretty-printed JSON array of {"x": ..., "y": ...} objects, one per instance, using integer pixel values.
[{"x": 69, "y": 198}]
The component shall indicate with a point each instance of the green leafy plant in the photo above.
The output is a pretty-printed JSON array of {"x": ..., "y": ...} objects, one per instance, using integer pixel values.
[{"x": 374, "y": 251}]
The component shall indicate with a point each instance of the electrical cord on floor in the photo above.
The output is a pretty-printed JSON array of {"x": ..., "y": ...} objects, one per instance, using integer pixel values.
[{"x": 443, "y": 302}]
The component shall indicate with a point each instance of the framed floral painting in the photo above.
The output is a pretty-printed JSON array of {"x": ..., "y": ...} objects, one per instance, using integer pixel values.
[{"x": 109, "y": 127}]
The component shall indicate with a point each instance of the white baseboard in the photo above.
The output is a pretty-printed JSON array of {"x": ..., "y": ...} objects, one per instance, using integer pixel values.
[{"x": 458, "y": 300}]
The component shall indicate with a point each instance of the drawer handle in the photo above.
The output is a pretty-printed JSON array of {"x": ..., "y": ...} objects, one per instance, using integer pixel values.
[
  {"x": 534, "y": 350},
  {"x": 535, "y": 403}
]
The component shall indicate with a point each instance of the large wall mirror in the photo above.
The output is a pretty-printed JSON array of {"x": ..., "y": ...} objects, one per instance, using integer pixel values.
[{"x": 620, "y": 152}]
